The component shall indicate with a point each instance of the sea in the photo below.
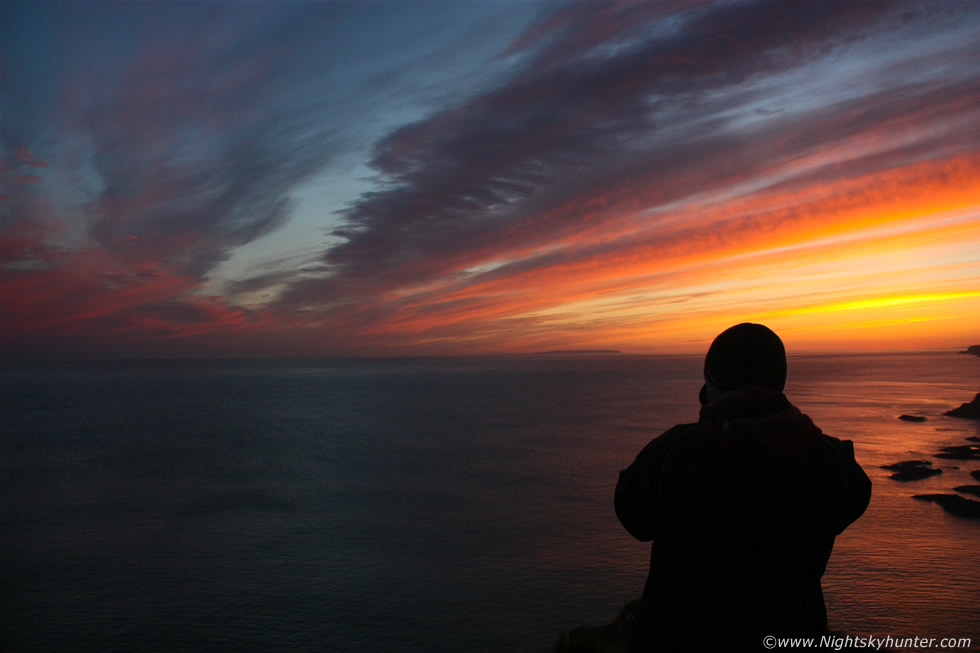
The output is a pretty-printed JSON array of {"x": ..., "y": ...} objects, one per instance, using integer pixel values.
[{"x": 454, "y": 504}]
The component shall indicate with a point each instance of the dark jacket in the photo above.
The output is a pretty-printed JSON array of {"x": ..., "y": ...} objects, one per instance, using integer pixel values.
[{"x": 743, "y": 508}]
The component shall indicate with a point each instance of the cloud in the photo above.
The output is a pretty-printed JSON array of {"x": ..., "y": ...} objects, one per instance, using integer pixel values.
[
  {"x": 628, "y": 150},
  {"x": 460, "y": 170},
  {"x": 195, "y": 135},
  {"x": 203, "y": 172},
  {"x": 180, "y": 149},
  {"x": 602, "y": 122},
  {"x": 55, "y": 301}
]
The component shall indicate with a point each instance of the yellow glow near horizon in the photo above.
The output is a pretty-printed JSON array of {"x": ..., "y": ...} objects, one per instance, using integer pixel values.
[
  {"x": 888, "y": 279},
  {"x": 881, "y": 302}
]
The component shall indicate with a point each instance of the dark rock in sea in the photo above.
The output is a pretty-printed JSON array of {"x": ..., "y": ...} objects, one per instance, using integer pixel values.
[
  {"x": 975, "y": 474},
  {"x": 962, "y": 452},
  {"x": 912, "y": 470},
  {"x": 970, "y": 410},
  {"x": 907, "y": 464},
  {"x": 915, "y": 474},
  {"x": 968, "y": 489},
  {"x": 912, "y": 418},
  {"x": 953, "y": 504},
  {"x": 973, "y": 438},
  {"x": 972, "y": 349}
]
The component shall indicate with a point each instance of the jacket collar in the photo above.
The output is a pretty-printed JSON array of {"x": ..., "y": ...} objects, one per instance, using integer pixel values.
[{"x": 758, "y": 423}]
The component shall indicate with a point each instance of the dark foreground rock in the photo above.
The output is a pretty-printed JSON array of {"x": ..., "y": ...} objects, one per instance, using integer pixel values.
[
  {"x": 953, "y": 504},
  {"x": 975, "y": 474},
  {"x": 961, "y": 452},
  {"x": 970, "y": 410},
  {"x": 968, "y": 489},
  {"x": 613, "y": 637},
  {"x": 912, "y": 470},
  {"x": 912, "y": 418}
]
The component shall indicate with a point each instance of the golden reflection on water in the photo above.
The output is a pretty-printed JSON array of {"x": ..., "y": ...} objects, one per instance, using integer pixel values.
[{"x": 906, "y": 567}]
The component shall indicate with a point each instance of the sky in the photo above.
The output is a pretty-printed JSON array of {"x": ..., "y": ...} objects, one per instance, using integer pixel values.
[{"x": 289, "y": 179}]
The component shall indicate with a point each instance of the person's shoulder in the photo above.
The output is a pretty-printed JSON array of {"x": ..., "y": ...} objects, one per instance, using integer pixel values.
[
  {"x": 677, "y": 431},
  {"x": 677, "y": 434},
  {"x": 841, "y": 453},
  {"x": 826, "y": 440},
  {"x": 857, "y": 484},
  {"x": 841, "y": 446}
]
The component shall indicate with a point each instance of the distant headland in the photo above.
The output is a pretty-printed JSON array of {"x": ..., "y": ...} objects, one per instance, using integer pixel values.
[
  {"x": 972, "y": 349},
  {"x": 578, "y": 352}
]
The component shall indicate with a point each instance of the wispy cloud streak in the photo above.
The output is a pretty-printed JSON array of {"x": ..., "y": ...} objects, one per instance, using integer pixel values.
[{"x": 578, "y": 160}]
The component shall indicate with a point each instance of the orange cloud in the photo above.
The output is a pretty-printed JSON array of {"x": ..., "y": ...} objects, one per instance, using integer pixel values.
[{"x": 878, "y": 250}]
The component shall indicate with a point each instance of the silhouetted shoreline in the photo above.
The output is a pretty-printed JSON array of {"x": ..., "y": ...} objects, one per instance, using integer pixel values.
[
  {"x": 578, "y": 352},
  {"x": 968, "y": 410}
]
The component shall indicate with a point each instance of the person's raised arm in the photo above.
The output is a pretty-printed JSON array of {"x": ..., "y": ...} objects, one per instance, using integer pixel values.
[{"x": 638, "y": 486}]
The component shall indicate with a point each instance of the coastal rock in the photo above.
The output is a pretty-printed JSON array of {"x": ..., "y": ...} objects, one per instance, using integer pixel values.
[
  {"x": 906, "y": 464},
  {"x": 972, "y": 349},
  {"x": 912, "y": 418},
  {"x": 953, "y": 504},
  {"x": 973, "y": 438},
  {"x": 614, "y": 636},
  {"x": 968, "y": 489},
  {"x": 912, "y": 470},
  {"x": 970, "y": 410},
  {"x": 975, "y": 474},
  {"x": 962, "y": 452}
]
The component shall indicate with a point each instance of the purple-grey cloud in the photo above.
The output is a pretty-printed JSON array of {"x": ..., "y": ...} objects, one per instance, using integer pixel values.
[
  {"x": 599, "y": 111},
  {"x": 193, "y": 143}
]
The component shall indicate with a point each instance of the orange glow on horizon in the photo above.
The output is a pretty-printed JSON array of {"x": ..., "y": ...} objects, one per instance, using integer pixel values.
[{"x": 888, "y": 260}]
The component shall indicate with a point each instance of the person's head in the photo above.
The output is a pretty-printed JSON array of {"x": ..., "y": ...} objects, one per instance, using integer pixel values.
[{"x": 744, "y": 355}]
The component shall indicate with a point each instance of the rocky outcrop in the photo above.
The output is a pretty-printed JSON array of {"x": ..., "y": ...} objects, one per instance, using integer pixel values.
[
  {"x": 961, "y": 452},
  {"x": 953, "y": 504},
  {"x": 912, "y": 418},
  {"x": 613, "y": 637},
  {"x": 968, "y": 489},
  {"x": 912, "y": 470},
  {"x": 972, "y": 349},
  {"x": 970, "y": 410}
]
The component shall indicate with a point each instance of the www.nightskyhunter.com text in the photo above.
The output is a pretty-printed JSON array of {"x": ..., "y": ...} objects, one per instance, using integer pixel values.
[{"x": 839, "y": 642}]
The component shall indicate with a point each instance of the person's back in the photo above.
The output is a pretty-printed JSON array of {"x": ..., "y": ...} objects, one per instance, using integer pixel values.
[{"x": 742, "y": 507}]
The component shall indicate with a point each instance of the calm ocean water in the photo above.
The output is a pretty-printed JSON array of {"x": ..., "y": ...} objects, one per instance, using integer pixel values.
[{"x": 418, "y": 505}]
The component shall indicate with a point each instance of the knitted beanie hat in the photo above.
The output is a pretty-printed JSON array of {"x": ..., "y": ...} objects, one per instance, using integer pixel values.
[{"x": 746, "y": 354}]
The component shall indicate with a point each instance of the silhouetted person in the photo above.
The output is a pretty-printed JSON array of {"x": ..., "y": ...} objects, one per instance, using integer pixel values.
[{"x": 742, "y": 507}]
